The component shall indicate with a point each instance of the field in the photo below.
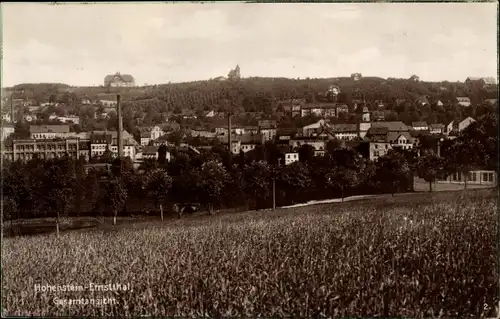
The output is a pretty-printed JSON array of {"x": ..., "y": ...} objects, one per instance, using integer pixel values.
[{"x": 421, "y": 255}]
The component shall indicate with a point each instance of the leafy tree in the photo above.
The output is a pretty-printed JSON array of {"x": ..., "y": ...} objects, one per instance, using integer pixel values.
[
  {"x": 162, "y": 154},
  {"x": 464, "y": 156},
  {"x": 333, "y": 145},
  {"x": 59, "y": 182},
  {"x": 343, "y": 179},
  {"x": 429, "y": 168},
  {"x": 294, "y": 180},
  {"x": 257, "y": 182},
  {"x": 306, "y": 153},
  {"x": 114, "y": 196},
  {"x": 156, "y": 184},
  {"x": 212, "y": 180},
  {"x": 393, "y": 172}
]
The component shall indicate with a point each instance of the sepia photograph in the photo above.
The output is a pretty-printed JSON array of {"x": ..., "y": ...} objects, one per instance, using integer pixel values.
[{"x": 249, "y": 160}]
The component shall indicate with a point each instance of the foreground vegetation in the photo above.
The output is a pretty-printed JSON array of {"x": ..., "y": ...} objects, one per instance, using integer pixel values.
[{"x": 420, "y": 255}]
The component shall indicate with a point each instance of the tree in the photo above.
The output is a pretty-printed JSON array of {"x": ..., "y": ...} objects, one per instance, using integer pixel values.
[
  {"x": 59, "y": 183},
  {"x": 306, "y": 153},
  {"x": 393, "y": 172},
  {"x": 429, "y": 168},
  {"x": 343, "y": 179},
  {"x": 114, "y": 196},
  {"x": 464, "y": 156},
  {"x": 162, "y": 154},
  {"x": 333, "y": 145},
  {"x": 257, "y": 179},
  {"x": 212, "y": 180},
  {"x": 294, "y": 181},
  {"x": 156, "y": 185}
]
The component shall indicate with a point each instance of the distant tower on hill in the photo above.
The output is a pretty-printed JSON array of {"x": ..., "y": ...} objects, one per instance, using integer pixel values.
[{"x": 234, "y": 74}]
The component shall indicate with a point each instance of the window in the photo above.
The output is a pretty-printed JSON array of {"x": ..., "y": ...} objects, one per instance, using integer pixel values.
[
  {"x": 376, "y": 146},
  {"x": 472, "y": 176},
  {"x": 386, "y": 147},
  {"x": 376, "y": 153},
  {"x": 485, "y": 177},
  {"x": 491, "y": 177},
  {"x": 288, "y": 156}
]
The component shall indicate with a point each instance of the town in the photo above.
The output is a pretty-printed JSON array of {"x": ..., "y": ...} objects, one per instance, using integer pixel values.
[{"x": 341, "y": 129}]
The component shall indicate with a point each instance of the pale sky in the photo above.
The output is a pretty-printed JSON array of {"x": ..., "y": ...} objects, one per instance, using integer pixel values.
[{"x": 78, "y": 44}]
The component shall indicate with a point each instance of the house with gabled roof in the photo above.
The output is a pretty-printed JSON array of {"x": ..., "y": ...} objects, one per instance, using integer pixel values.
[
  {"x": 463, "y": 101},
  {"x": 420, "y": 126}
]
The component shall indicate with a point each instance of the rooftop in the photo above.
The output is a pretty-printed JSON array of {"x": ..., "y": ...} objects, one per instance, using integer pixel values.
[{"x": 49, "y": 128}]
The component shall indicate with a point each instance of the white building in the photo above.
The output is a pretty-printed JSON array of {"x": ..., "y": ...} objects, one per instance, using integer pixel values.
[
  {"x": 479, "y": 177},
  {"x": 291, "y": 158},
  {"x": 459, "y": 126},
  {"x": 7, "y": 129}
]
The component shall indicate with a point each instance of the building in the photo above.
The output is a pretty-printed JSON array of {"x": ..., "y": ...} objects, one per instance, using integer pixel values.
[
  {"x": 437, "y": 128},
  {"x": 268, "y": 129},
  {"x": 319, "y": 109},
  {"x": 414, "y": 78},
  {"x": 345, "y": 132},
  {"x": 66, "y": 119},
  {"x": 381, "y": 141},
  {"x": 109, "y": 103},
  {"x": 333, "y": 90},
  {"x": 478, "y": 177},
  {"x": 119, "y": 80},
  {"x": 356, "y": 76},
  {"x": 463, "y": 101},
  {"x": 7, "y": 129},
  {"x": 49, "y": 131},
  {"x": 480, "y": 82},
  {"x": 200, "y": 132},
  {"x": 150, "y": 133},
  {"x": 313, "y": 129},
  {"x": 455, "y": 126},
  {"x": 150, "y": 152},
  {"x": 366, "y": 115},
  {"x": 422, "y": 100},
  {"x": 27, "y": 149},
  {"x": 341, "y": 108},
  {"x": 492, "y": 102},
  {"x": 291, "y": 158},
  {"x": 378, "y": 116},
  {"x": 245, "y": 142},
  {"x": 318, "y": 143},
  {"x": 439, "y": 103},
  {"x": 102, "y": 141},
  {"x": 420, "y": 126}
]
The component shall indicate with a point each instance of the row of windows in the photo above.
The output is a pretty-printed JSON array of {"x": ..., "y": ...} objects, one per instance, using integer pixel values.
[
  {"x": 43, "y": 147},
  {"x": 292, "y": 156},
  {"x": 474, "y": 177}
]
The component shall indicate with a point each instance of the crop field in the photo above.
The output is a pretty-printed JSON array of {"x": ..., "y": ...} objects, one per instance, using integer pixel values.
[{"x": 413, "y": 256}]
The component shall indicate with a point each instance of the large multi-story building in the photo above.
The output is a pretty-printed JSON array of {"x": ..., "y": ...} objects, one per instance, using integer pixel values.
[
  {"x": 119, "y": 80},
  {"x": 27, "y": 149}
]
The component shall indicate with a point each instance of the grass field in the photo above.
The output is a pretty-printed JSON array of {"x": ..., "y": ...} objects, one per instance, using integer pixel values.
[{"x": 413, "y": 256}]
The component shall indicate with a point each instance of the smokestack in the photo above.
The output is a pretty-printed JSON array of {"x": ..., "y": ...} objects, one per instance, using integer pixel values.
[
  {"x": 120, "y": 126},
  {"x": 229, "y": 132},
  {"x": 11, "y": 109},
  {"x": 358, "y": 130}
]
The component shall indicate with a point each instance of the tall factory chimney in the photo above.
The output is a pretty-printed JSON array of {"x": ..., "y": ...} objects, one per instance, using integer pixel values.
[
  {"x": 120, "y": 126},
  {"x": 12, "y": 109},
  {"x": 229, "y": 133}
]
